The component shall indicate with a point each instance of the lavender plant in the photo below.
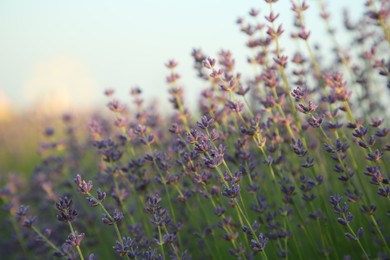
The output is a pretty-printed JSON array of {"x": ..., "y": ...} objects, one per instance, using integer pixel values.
[{"x": 289, "y": 162}]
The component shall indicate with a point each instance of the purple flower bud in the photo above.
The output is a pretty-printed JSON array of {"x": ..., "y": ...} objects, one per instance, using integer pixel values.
[
  {"x": 116, "y": 106},
  {"x": 298, "y": 147},
  {"x": 29, "y": 221},
  {"x": 82, "y": 186},
  {"x": 92, "y": 202},
  {"x": 349, "y": 217},
  {"x": 271, "y": 17},
  {"x": 382, "y": 132},
  {"x": 209, "y": 63},
  {"x": 205, "y": 122},
  {"x": 75, "y": 239},
  {"x": 125, "y": 248},
  {"x": 259, "y": 245},
  {"x": 384, "y": 191},
  {"x": 360, "y": 132},
  {"x": 67, "y": 216},
  {"x": 369, "y": 211},
  {"x": 360, "y": 232},
  {"x": 109, "y": 92},
  {"x": 219, "y": 211},
  {"x": 232, "y": 191},
  {"x": 363, "y": 144},
  {"x": 101, "y": 195},
  {"x": 22, "y": 211},
  {"x": 309, "y": 109},
  {"x": 350, "y": 236},
  {"x": 375, "y": 122},
  {"x": 304, "y": 34},
  {"x": 171, "y": 64},
  {"x": 235, "y": 106},
  {"x": 63, "y": 204},
  {"x": 376, "y": 156}
]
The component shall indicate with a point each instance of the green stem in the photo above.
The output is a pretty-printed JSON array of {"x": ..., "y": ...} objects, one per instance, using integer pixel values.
[
  {"x": 45, "y": 238},
  {"x": 161, "y": 241},
  {"x": 118, "y": 233},
  {"x": 380, "y": 233},
  {"x": 357, "y": 239},
  {"x": 19, "y": 234},
  {"x": 77, "y": 247}
]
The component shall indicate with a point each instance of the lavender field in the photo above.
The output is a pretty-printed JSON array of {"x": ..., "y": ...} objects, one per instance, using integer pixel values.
[{"x": 290, "y": 160}]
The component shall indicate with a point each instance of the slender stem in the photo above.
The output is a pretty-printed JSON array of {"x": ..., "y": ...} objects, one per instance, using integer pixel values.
[
  {"x": 19, "y": 234},
  {"x": 264, "y": 255},
  {"x": 357, "y": 239},
  {"x": 161, "y": 241},
  {"x": 118, "y": 233},
  {"x": 36, "y": 230},
  {"x": 77, "y": 246},
  {"x": 380, "y": 233}
]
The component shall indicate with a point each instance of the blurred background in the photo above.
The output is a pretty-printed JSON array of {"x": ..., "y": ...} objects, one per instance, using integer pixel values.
[{"x": 60, "y": 56}]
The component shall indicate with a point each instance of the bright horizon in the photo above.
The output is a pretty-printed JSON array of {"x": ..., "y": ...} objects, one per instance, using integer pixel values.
[{"x": 72, "y": 51}]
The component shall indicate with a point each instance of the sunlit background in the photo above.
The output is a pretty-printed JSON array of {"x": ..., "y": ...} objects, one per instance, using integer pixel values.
[{"x": 61, "y": 55}]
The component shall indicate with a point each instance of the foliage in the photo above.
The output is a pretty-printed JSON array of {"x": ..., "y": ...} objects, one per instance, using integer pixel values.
[{"x": 291, "y": 162}]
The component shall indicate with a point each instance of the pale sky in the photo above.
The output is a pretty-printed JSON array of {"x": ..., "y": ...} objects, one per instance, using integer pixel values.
[{"x": 76, "y": 49}]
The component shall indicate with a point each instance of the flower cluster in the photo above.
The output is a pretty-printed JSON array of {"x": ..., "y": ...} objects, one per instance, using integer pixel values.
[{"x": 275, "y": 164}]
